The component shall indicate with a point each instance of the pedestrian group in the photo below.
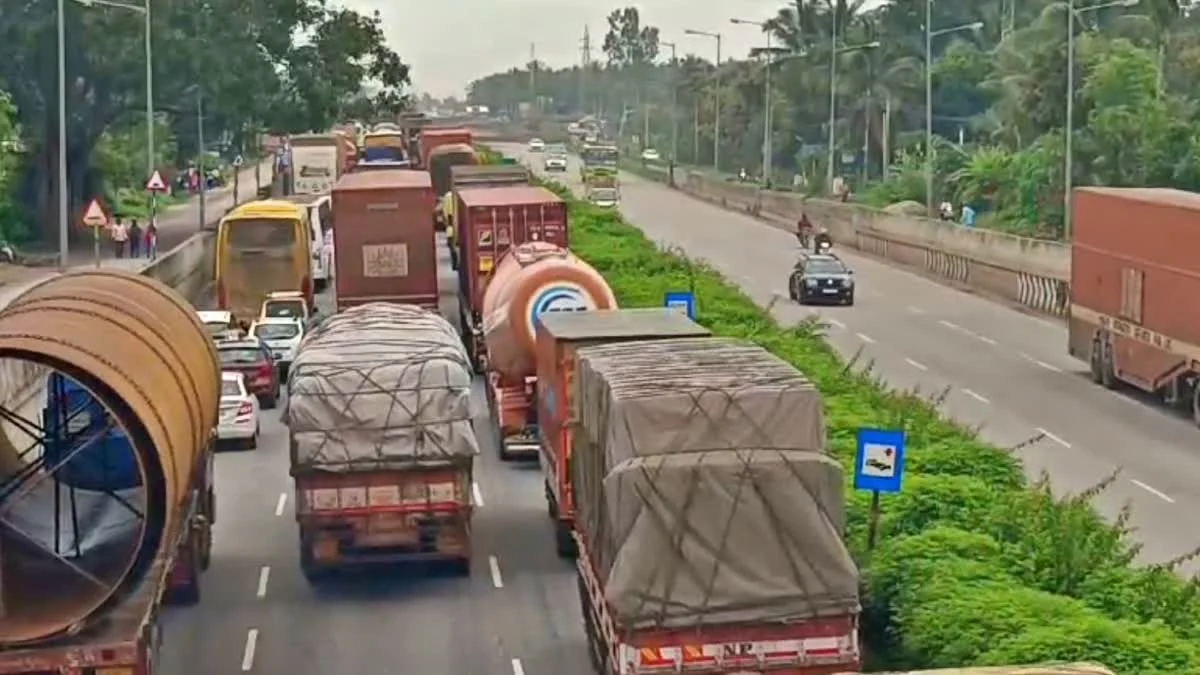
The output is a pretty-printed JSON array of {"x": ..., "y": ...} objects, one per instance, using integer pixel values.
[{"x": 131, "y": 239}]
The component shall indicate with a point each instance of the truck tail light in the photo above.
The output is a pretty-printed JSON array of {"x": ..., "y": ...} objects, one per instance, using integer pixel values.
[
  {"x": 264, "y": 372},
  {"x": 245, "y": 409}
]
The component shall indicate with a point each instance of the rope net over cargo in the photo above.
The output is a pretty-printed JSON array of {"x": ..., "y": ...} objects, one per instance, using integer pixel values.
[
  {"x": 378, "y": 385},
  {"x": 97, "y": 464},
  {"x": 704, "y": 494}
]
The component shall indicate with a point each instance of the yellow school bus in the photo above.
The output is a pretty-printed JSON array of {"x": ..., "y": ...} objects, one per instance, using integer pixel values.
[{"x": 262, "y": 246}]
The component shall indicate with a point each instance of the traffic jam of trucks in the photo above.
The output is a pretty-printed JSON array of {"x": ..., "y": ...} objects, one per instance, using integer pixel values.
[{"x": 666, "y": 453}]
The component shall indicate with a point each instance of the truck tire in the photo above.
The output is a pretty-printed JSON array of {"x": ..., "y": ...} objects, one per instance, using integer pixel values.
[
  {"x": 189, "y": 594},
  {"x": 1196, "y": 404},
  {"x": 564, "y": 541},
  {"x": 1108, "y": 372},
  {"x": 551, "y": 506},
  {"x": 459, "y": 567},
  {"x": 1094, "y": 359},
  {"x": 312, "y": 572}
]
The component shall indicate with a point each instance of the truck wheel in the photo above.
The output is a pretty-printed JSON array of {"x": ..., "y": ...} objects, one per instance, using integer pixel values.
[
  {"x": 313, "y": 573},
  {"x": 1196, "y": 404},
  {"x": 189, "y": 593},
  {"x": 206, "y": 545},
  {"x": 460, "y": 567},
  {"x": 551, "y": 507},
  {"x": 270, "y": 401},
  {"x": 1094, "y": 361},
  {"x": 1108, "y": 373},
  {"x": 564, "y": 542}
]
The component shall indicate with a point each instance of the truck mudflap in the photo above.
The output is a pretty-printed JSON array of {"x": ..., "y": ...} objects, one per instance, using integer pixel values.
[
  {"x": 419, "y": 514},
  {"x": 514, "y": 415},
  {"x": 824, "y": 646}
]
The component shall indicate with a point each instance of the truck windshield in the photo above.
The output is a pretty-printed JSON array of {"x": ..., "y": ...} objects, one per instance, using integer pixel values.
[
  {"x": 276, "y": 331},
  {"x": 604, "y": 195}
]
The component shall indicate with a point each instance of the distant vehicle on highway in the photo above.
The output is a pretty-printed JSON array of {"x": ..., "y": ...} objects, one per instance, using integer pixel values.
[
  {"x": 238, "y": 423},
  {"x": 253, "y": 359},
  {"x": 555, "y": 161},
  {"x": 650, "y": 155},
  {"x": 282, "y": 336},
  {"x": 537, "y": 145},
  {"x": 821, "y": 278},
  {"x": 285, "y": 305}
]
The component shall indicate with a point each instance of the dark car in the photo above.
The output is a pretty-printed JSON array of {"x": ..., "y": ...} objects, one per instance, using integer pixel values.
[
  {"x": 821, "y": 278},
  {"x": 253, "y": 359}
]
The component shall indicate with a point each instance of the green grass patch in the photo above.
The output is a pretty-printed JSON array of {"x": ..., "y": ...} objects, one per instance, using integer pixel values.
[{"x": 975, "y": 564}]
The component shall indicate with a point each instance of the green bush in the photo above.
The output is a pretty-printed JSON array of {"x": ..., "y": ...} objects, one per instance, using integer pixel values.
[{"x": 975, "y": 565}]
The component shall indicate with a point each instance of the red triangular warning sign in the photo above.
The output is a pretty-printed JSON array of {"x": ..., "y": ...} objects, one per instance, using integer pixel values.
[
  {"x": 156, "y": 183},
  {"x": 94, "y": 216}
]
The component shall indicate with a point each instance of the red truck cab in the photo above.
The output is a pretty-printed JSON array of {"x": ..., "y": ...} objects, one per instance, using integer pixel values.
[
  {"x": 1134, "y": 274},
  {"x": 385, "y": 248}
]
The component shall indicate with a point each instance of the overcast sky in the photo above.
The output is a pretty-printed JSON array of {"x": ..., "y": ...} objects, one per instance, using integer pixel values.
[{"x": 448, "y": 43}]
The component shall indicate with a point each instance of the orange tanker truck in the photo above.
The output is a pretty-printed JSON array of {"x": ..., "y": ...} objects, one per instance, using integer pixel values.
[
  {"x": 117, "y": 513},
  {"x": 531, "y": 280}
]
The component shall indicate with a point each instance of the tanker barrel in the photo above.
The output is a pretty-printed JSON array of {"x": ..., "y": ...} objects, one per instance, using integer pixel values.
[{"x": 131, "y": 402}]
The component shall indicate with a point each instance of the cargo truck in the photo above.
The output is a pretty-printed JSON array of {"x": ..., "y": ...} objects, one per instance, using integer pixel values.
[
  {"x": 128, "y": 520},
  {"x": 442, "y": 160},
  {"x": 490, "y": 221},
  {"x": 709, "y": 516},
  {"x": 474, "y": 175},
  {"x": 384, "y": 247},
  {"x": 317, "y": 161},
  {"x": 1133, "y": 274},
  {"x": 431, "y": 138},
  {"x": 381, "y": 441},
  {"x": 559, "y": 335}
]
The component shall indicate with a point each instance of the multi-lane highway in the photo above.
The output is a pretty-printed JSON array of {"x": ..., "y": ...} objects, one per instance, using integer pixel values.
[
  {"x": 1007, "y": 372},
  {"x": 517, "y": 613}
]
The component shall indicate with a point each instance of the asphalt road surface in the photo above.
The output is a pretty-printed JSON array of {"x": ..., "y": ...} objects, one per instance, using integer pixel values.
[
  {"x": 516, "y": 613},
  {"x": 1006, "y": 371}
]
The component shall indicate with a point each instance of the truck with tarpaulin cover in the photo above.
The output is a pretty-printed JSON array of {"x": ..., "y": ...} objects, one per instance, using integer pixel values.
[
  {"x": 381, "y": 442},
  {"x": 128, "y": 522},
  {"x": 442, "y": 160},
  {"x": 709, "y": 517},
  {"x": 480, "y": 175},
  {"x": 559, "y": 336}
]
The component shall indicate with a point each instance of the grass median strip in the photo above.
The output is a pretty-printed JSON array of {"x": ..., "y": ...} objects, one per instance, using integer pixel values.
[{"x": 975, "y": 565}]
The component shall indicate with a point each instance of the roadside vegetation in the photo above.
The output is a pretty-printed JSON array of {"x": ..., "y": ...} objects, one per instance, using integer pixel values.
[
  {"x": 974, "y": 565},
  {"x": 999, "y": 100},
  {"x": 202, "y": 71}
]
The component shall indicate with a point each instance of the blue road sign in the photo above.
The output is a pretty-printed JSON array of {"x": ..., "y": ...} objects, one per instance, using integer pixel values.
[
  {"x": 682, "y": 301},
  {"x": 879, "y": 465}
]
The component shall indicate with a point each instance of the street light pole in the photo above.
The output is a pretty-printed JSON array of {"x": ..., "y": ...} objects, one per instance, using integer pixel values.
[
  {"x": 929, "y": 35},
  {"x": 1068, "y": 159},
  {"x": 64, "y": 187},
  {"x": 833, "y": 38},
  {"x": 716, "y": 97},
  {"x": 674, "y": 102},
  {"x": 200, "y": 156},
  {"x": 767, "y": 150}
]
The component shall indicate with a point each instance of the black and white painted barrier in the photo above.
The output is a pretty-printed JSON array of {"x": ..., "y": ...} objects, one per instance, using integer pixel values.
[{"x": 1044, "y": 294}]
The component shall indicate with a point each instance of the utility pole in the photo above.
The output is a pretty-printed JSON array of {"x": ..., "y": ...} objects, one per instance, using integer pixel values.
[
  {"x": 200, "y": 157},
  {"x": 533, "y": 75},
  {"x": 585, "y": 64}
]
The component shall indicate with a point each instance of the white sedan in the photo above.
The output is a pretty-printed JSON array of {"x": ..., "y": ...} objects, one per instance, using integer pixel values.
[
  {"x": 239, "y": 412},
  {"x": 537, "y": 145},
  {"x": 282, "y": 336},
  {"x": 651, "y": 155}
]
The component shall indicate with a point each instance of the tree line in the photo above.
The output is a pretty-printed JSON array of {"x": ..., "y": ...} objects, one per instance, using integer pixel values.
[
  {"x": 998, "y": 79},
  {"x": 234, "y": 66}
]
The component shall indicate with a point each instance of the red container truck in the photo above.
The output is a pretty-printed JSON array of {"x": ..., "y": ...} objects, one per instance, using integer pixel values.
[
  {"x": 385, "y": 248},
  {"x": 559, "y": 336},
  {"x": 1134, "y": 273},
  {"x": 432, "y": 138},
  {"x": 490, "y": 221}
]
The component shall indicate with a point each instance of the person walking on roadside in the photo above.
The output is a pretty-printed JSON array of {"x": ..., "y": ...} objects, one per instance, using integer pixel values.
[
  {"x": 120, "y": 235},
  {"x": 152, "y": 240},
  {"x": 135, "y": 239}
]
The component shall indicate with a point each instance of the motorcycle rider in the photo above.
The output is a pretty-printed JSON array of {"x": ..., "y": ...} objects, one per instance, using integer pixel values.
[
  {"x": 822, "y": 240},
  {"x": 804, "y": 230}
]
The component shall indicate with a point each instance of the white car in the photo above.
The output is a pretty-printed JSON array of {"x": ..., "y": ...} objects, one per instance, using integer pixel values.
[
  {"x": 217, "y": 322},
  {"x": 651, "y": 155},
  {"x": 537, "y": 145},
  {"x": 282, "y": 336},
  {"x": 555, "y": 163},
  {"x": 239, "y": 412}
]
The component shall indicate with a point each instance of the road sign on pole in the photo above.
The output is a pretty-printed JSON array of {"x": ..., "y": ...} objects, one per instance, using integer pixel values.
[
  {"x": 95, "y": 216},
  {"x": 879, "y": 465},
  {"x": 681, "y": 301},
  {"x": 156, "y": 182},
  {"x": 237, "y": 161}
]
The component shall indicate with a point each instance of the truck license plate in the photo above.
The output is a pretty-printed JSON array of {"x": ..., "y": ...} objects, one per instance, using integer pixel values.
[{"x": 829, "y": 291}]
